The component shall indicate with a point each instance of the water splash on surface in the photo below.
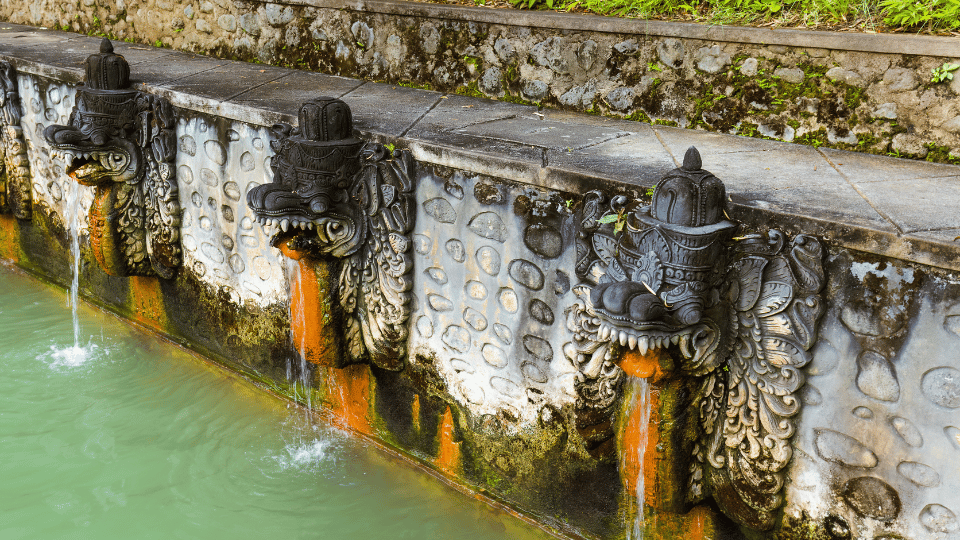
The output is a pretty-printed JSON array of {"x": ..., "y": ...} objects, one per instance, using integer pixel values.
[
  {"x": 309, "y": 446},
  {"x": 639, "y": 391},
  {"x": 70, "y": 356},
  {"x": 304, "y": 455}
]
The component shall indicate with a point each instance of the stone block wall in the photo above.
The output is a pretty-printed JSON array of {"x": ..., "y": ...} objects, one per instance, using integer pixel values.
[{"x": 869, "y": 93}]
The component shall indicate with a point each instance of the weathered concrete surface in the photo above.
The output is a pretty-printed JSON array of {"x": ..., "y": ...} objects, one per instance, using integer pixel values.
[
  {"x": 862, "y": 92},
  {"x": 877, "y": 444}
]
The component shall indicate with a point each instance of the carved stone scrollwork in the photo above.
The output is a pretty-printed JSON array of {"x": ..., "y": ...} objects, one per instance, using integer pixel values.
[
  {"x": 740, "y": 313},
  {"x": 15, "y": 194},
  {"x": 336, "y": 196},
  {"x": 123, "y": 142}
]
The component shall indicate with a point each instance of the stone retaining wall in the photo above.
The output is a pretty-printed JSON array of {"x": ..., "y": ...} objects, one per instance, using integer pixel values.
[
  {"x": 869, "y": 93},
  {"x": 832, "y": 393}
]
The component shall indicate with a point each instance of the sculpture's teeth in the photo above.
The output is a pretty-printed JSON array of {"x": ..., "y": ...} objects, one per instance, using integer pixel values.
[
  {"x": 685, "y": 346},
  {"x": 604, "y": 332},
  {"x": 310, "y": 225},
  {"x": 632, "y": 341},
  {"x": 285, "y": 224},
  {"x": 643, "y": 345},
  {"x": 674, "y": 339},
  {"x": 623, "y": 339}
]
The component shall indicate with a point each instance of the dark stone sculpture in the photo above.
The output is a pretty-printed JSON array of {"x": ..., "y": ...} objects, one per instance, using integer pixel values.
[
  {"x": 123, "y": 142},
  {"x": 335, "y": 196},
  {"x": 15, "y": 192},
  {"x": 743, "y": 318}
]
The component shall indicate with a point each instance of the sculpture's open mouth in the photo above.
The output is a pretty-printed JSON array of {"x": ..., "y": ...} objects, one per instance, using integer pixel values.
[
  {"x": 647, "y": 337},
  {"x": 615, "y": 310},
  {"x": 94, "y": 166}
]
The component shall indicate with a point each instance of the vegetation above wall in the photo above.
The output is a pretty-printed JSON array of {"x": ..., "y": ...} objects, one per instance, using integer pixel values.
[{"x": 933, "y": 17}]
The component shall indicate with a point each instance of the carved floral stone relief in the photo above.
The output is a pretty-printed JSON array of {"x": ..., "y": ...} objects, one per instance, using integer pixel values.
[
  {"x": 742, "y": 312},
  {"x": 336, "y": 196},
  {"x": 15, "y": 192},
  {"x": 123, "y": 142}
]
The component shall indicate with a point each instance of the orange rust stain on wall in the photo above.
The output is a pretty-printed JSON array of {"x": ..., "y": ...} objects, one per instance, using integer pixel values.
[
  {"x": 642, "y": 366},
  {"x": 313, "y": 336},
  {"x": 103, "y": 232},
  {"x": 697, "y": 524},
  {"x": 415, "y": 412},
  {"x": 448, "y": 456},
  {"x": 147, "y": 302},
  {"x": 9, "y": 238},
  {"x": 348, "y": 395},
  {"x": 696, "y": 521}
]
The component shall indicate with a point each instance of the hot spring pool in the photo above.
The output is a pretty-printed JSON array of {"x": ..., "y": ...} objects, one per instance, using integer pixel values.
[{"x": 132, "y": 437}]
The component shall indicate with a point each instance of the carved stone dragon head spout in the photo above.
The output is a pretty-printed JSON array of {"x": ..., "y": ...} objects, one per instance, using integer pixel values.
[
  {"x": 313, "y": 188},
  {"x": 736, "y": 315},
  {"x": 334, "y": 195},
  {"x": 123, "y": 142},
  {"x": 658, "y": 274}
]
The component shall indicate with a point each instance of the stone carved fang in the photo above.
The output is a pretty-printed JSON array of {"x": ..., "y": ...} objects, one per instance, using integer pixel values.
[
  {"x": 338, "y": 197},
  {"x": 743, "y": 318},
  {"x": 123, "y": 142},
  {"x": 15, "y": 190}
]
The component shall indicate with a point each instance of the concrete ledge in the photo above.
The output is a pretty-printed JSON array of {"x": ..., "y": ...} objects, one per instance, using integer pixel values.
[
  {"x": 889, "y": 207},
  {"x": 875, "y": 43}
]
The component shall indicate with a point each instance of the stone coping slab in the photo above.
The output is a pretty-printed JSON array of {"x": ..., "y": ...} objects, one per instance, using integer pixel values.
[
  {"x": 890, "y": 207},
  {"x": 946, "y": 47}
]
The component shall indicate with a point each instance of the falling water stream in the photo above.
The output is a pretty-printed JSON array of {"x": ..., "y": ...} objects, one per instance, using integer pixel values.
[
  {"x": 639, "y": 392},
  {"x": 72, "y": 222},
  {"x": 299, "y": 380},
  {"x": 141, "y": 438}
]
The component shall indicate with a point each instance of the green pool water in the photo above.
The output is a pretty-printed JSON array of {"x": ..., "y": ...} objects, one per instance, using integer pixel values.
[{"x": 133, "y": 438}]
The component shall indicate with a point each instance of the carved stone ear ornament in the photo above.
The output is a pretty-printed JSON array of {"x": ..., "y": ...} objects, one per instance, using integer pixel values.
[
  {"x": 15, "y": 190},
  {"x": 336, "y": 196},
  {"x": 672, "y": 275},
  {"x": 123, "y": 142}
]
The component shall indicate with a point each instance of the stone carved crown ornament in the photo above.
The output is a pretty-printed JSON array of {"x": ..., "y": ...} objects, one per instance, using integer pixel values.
[
  {"x": 15, "y": 189},
  {"x": 123, "y": 142},
  {"x": 739, "y": 315},
  {"x": 335, "y": 196}
]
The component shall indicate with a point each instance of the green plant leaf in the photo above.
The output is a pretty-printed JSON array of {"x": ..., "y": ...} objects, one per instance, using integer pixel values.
[{"x": 609, "y": 218}]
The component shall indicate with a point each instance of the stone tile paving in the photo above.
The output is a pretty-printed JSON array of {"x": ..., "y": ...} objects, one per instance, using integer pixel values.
[
  {"x": 286, "y": 94},
  {"x": 899, "y": 208}
]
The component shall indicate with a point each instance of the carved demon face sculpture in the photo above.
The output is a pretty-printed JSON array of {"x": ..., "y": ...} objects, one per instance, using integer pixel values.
[
  {"x": 122, "y": 142},
  {"x": 15, "y": 190},
  {"x": 740, "y": 314},
  {"x": 335, "y": 196}
]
